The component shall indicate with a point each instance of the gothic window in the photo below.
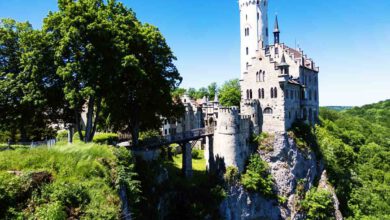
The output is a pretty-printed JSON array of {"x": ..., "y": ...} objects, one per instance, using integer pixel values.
[
  {"x": 247, "y": 94},
  {"x": 276, "y": 51},
  {"x": 272, "y": 93},
  {"x": 250, "y": 93},
  {"x": 275, "y": 92},
  {"x": 257, "y": 76},
  {"x": 268, "y": 111},
  {"x": 262, "y": 93},
  {"x": 258, "y": 15},
  {"x": 259, "y": 91},
  {"x": 263, "y": 76}
]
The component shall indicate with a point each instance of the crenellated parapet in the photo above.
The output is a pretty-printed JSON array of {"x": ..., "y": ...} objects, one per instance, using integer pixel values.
[{"x": 245, "y": 3}]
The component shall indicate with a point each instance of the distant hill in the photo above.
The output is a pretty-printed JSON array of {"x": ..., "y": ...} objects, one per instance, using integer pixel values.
[
  {"x": 338, "y": 108},
  {"x": 376, "y": 113}
]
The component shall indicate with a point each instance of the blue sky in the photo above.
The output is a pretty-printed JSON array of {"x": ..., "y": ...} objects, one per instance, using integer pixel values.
[{"x": 348, "y": 39}]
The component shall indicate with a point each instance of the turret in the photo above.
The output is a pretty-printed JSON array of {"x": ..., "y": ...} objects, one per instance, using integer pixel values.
[
  {"x": 276, "y": 31},
  {"x": 251, "y": 108},
  {"x": 254, "y": 29}
]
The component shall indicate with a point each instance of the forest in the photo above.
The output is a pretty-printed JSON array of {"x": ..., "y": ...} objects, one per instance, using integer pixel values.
[{"x": 355, "y": 146}]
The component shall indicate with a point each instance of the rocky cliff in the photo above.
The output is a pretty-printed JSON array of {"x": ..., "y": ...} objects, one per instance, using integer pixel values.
[{"x": 289, "y": 165}]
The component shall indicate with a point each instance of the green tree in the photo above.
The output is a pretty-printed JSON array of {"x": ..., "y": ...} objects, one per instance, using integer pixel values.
[
  {"x": 212, "y": 90},
  {"x": 230, "y": 93}
]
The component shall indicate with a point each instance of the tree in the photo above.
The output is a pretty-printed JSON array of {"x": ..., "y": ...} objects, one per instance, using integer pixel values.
[
  {"x": 191, "y": 93},
  {"x": 212, "y": 90},
  {"x": 145, "y": 76},
  {"x": 83, "y": 37},
  {"x": 31, "y": 97},
  {"x": 230, "y": 94}
]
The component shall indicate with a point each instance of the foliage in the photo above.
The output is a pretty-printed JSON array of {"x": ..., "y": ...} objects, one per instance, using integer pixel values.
[
  {"x": 78, "y": 182},
  {"x": 318, "y": 204},
  {"x": 304, "y": 136},
  {"x": 230, "y": 93},
  {"x": 257, "y": 177},
  {"x": 62, "y": 135},
  {"x": 182, "y": 198},
  {"x": 355, "y": 147},
  {"x": 264, "y": 141},
  {"x": 106, "y": 138},
  {"x": 231, "y": 175},
  {"x": 202, "y": 92},
  {"x": 197, "y": 154}
]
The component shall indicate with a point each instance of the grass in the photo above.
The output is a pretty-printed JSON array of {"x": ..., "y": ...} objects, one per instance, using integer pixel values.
[
  {"x": 79, "y": 183},
  {"x": 198, "y": 164}
]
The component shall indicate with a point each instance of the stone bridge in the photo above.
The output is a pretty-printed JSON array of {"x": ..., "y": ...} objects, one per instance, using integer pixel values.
[{"x": 185, "y": 140}]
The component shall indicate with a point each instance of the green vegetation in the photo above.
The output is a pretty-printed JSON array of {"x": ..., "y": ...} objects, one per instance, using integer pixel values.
[
  {"x": 230, "y": 93},
  {"x": 198, "y": 160},
  {"x": 90, "y": 55},
  {"x": 265, "y": 142},
  {"x": 257, "y": 177},
  {"x": 355, "y": 147},
  {"x": 75, "y": 181},
  {"x": 178, "y": 197},
  {"x": 106, "y": 138},
  {"x": 318, "y": 204}
]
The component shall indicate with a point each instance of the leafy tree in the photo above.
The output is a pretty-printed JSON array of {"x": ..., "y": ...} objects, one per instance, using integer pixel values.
[
  {"x": 318, "y": 204},
  {"x": 177, "y": 93},
  {"x": 191, "y": 93},
  {"x": 230, "y": 93},
  {"x": 212, "y": 90}
]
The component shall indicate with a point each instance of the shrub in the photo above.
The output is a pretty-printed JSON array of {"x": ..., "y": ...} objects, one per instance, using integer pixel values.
[
  {"x": 62, "y": 135},
  {"x": 197, "y": 154},
  {"x": 318, "y": 204},
  {"x": 265, "y": 141},
  {"x": 145, "y": 135},
  {"x": 51, "y": 211},
  {"x": 231, "y": 175},
  {"x": 257, "y": 177},
  {"x": 106, "y": 138}
]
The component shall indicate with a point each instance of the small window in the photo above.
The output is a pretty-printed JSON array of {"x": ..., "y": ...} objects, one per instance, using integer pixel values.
[
  {"x": 247, "y": 51},
  {"x": 259, "y": 95},
  {"x": 262, "y": 93},
  {"x": 250, "y": 93},
  {"x": 258, "y": 15},
  {"x": 275, "y": 92},
  {"x": 268, "y": 111},
  {"x": 272, "y": 93},
  {"x": 247, "y": 65}
]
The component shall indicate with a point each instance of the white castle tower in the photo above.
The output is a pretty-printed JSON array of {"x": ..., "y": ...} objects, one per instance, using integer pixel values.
[{"x": 254, "y": 29}]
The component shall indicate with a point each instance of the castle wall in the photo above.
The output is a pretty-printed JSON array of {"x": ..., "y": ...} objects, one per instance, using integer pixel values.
[{"x": 231, "y": 139}]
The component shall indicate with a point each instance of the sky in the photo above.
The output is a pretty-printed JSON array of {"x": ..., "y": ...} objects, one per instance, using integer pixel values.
[{"x": 348, "y": 39}]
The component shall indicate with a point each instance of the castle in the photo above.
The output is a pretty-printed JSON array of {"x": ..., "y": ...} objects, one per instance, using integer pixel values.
[{"x": 279, "y": 85}]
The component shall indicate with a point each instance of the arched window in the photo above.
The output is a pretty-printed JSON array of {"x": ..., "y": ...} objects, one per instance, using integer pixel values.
[
  {"x": 257, "y": 76},
  {"x": 268, "y": 111},
  {"x": 259, "y": 93},
  {"x": 247, "y": 51},
  {"x": 250, "y": 94},
  {"x": 275, "y": 92},
  {"x": 247, "y": 65},
  {"x": 263, "y": 76},
  {"x": 247, "y": 94},
  {"x": 262, "y": 93},
  {"x": 272, "y": 93}
]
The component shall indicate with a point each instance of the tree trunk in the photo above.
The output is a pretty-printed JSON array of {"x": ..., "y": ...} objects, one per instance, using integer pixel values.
[
  {"x": 98, "y": 108},
  {"x": 78, "y": 124},
  {"x": 88, "y": 127}
]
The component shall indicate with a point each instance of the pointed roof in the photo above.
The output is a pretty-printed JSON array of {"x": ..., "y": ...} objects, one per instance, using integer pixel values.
[
  {"x": 276, "y": 28},
  {"x": 283, "y": 61}
]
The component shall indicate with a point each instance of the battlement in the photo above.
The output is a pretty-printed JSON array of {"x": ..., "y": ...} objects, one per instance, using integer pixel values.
[
  {"x": 229, "y": 110},
  {"x": 243, "y": 3},
  {"x": 250, "y": 102}
]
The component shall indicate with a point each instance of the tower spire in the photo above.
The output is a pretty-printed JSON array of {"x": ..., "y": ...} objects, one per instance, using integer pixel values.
[{"x": 276, "y": 31}]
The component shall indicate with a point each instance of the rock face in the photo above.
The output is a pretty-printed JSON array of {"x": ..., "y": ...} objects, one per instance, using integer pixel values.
[
  {"x": 288, "y": 164},
  {"x": 324, "y": 184}
]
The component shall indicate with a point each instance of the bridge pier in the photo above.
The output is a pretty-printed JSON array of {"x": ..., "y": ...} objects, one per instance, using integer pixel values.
[
  {"x": 187, "y": 159},
  {"x": 209, "y": 154}
]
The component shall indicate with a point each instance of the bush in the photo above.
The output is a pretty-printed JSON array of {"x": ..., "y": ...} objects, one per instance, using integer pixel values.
[
  {"x": 62, "y": 135},
  {"x": 231, "y": 175},
  {"x": 106, "y": 138},
  {"x": 197, "y": 154},
  {"x": 257, "y": 177},
  {"x": 318, "y": 204}
]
